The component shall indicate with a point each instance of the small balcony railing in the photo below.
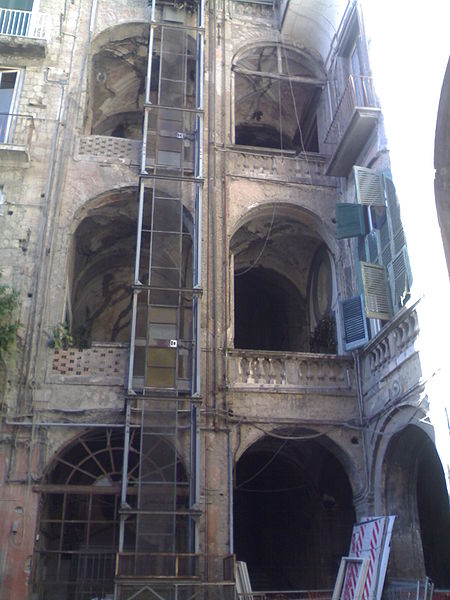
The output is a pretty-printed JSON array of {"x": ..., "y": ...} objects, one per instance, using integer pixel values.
[
  {"x": 358, "y": 93},
  {"x": 16, "y": 130},
  {"x": 23, "y": 23}
]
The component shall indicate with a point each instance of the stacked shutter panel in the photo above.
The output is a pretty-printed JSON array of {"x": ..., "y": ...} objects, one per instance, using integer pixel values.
[
  {"x": 400, "y": 279},
  {"x": 349, "y": 221},
  {"x": 369, "y": 186},
  {"x": 385, "y": 240},
  {"x": 399, "y": 240},
  {"x": 376, "y": 291},
  {"x": 355, "y": 326}
]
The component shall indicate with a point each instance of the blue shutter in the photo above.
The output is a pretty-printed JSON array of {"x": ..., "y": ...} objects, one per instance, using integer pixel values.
[
  {"x": 349, "y": 221},
  {"x": 355, "y": 325}
]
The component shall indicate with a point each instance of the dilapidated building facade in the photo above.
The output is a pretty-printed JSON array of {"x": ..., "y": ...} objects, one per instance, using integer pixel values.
[{"x": 219, "y": 355}]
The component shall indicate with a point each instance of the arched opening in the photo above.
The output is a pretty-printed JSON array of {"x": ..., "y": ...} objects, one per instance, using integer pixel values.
[
  {"x": 293, "y": 514},
  {"x": 277, "y": 90},
  {"x": 283, "y": 289},
  {"x": 103, "y": 258},
  {"x": 79, "y": 519},
  {"x": 417, "y": 494},
  {"x": 118, "y": 83}
]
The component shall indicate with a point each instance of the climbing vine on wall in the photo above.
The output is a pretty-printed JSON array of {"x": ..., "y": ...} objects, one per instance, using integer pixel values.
[{"x": 9, "y": 325}]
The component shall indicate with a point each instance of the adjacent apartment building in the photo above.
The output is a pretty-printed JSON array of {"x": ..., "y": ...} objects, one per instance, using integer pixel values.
[{"x": 225, "y": 351}]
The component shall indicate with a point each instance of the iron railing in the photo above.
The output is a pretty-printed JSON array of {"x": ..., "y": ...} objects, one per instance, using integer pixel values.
[
  {"x": 358, "y": 93},
  {"x": 16, "y": 129},
  {"x": 23, "y": 23}
]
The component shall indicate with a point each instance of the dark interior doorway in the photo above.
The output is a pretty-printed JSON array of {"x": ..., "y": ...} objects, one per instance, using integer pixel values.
[
  {"x": 293, "y": 514},
  {"x": 269, "y": 314}
]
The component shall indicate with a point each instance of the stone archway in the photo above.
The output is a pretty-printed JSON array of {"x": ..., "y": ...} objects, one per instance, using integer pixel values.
[
  {"x": 78, "y": 536},
  {"x": 293, "y": 513},
  {"x": 281, "y": 295},
  {"x": 415, "y": 491}
]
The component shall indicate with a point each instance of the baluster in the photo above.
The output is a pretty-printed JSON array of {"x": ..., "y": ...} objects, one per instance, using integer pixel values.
[
  {"x": 271, "y": 376},
  {"x": 283, "y": 374}
]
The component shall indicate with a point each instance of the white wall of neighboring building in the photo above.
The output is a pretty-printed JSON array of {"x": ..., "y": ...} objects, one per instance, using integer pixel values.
[{"x": 409, "y": 49}]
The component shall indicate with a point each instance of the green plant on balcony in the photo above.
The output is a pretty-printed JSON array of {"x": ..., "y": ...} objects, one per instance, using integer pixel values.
[
  {"x": 323, "y": 338},
  {"x": 61, "y": 337}
]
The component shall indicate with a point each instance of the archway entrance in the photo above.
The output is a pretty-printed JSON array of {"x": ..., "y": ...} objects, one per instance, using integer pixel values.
[
  {"x": 417, "y": 494},
  {"x": 78, "y": 537},
  {"x": 293, "y": 514}
]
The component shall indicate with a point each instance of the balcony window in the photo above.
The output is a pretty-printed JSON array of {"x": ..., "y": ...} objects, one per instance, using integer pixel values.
[{"x": 8, "y": 93}]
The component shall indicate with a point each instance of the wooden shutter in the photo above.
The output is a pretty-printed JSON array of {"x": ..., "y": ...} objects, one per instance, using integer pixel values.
[
  {"x": 376, "y": 291},
  {"x": 355, "y": 326},
  {"x": 349, "y": 221},
  {"x": 399, "y": 271},
  {"x": 400, "y": 279},
  {"x": 369, "y": 186}
]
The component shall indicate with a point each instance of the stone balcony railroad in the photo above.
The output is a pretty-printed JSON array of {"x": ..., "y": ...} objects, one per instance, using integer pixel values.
[
  {"x": 289, "y": 372},
  {"x": 392, "y": 346},
  {"x": 275, "y": 165}
]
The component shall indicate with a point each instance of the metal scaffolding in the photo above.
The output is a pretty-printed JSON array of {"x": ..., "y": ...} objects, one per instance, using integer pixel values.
[{"x": 158, "y": 545}]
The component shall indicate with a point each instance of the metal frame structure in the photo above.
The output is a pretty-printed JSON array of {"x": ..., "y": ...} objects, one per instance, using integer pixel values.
[{"x": 158, "y": 546}]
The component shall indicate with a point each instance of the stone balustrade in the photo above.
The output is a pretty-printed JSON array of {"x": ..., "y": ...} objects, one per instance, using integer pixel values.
[
  {"x": 304, "y": 168},
  {"x": 288, "y": 372},
  {"x": 397, "y": 337},
  {"x": 102, "y": 364}
]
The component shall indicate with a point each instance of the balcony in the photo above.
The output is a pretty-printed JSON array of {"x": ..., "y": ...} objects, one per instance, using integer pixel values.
[
  {"x": 275, "y": 165},
  {"x": 23, "y": 32},
  {"x": 354, "y": 120},
  {"x": 108, "y": 149},
  {"x": 283, "y": 385},
  {"x": 16, "y": 132}
]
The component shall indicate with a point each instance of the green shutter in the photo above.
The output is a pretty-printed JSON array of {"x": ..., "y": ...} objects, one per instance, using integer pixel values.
[
  {"x": 355, "y": 326},
  {"x": 400, "y": 279},
  {"x": 376, "y": 291},
  {"x": 349, "y": 221},
  {"x": 369, "y": 186},
  {"x": 385, "y": 241}
]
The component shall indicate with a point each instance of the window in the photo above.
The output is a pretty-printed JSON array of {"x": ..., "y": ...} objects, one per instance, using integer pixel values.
[
  {"x": 8, "y": 94},
  {"x": 385, "y": 275}
]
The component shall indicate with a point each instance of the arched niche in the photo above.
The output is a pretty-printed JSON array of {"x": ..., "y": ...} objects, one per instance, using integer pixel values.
[
  {"x": 283, "y": 276},
  {"x": 103, "y": 255},
  {"x": 276, "y": 94}
]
